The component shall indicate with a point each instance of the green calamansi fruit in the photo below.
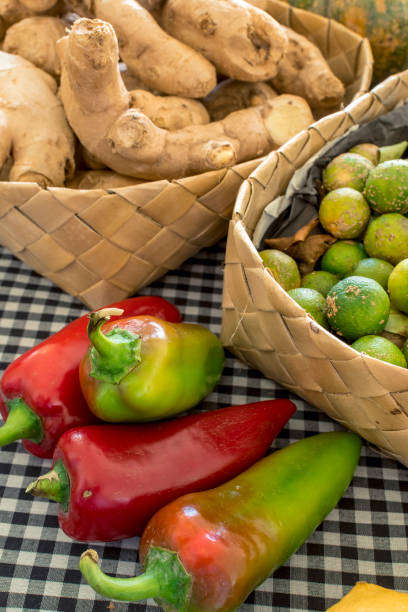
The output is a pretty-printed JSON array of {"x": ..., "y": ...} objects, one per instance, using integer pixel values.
[
  {"x": 386, "y": 237},
  {"x": 341, "y": 257},
  {"x": 313, "y": 302},
  {"x": 357, "y": 306},
  {"x": 386, "y": 188},
  {"x": 347, "y": 170},
  {"x": 344, "y": 213},
  {"x": 377, "y": 269},
  {"x": 398, "y": 286},
  {"x": 380, "y": 348},
  {"x": 283, "y": 267},
  {"x": 320, "y": 281},
  {"x": 369, "y": 150}
]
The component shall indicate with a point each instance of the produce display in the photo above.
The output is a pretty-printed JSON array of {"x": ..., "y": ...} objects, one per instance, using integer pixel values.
[
  {"x": 137, "y": 84},
  {"x": 355, "y": 283},
  {"x": 102, "y": 94}
]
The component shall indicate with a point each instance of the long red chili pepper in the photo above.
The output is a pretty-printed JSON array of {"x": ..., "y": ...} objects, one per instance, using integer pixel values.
[
  {"x": 110, "y": 479},
  {"x": 42, "y": 397}
]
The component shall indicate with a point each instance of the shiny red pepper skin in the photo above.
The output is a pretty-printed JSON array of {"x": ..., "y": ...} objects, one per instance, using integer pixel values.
[
  {"x": 120, "y": 475},
  {"x": 46, "y": 376}
]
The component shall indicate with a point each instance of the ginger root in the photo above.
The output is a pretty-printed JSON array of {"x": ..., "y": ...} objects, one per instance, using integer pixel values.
[
  {"x": 97, "y": 105},
  {"x": 12, "y": 11},
  {"x": 243, "y": 42},
  {"x": 231, "y": 95},
  {"x": 303, "y": 71},
  {"x": 169, "y": 112},
  {"x": 33, "y": 124},
  {"x": 35, "y": 39},
  {"x": 160, "y": 61}
]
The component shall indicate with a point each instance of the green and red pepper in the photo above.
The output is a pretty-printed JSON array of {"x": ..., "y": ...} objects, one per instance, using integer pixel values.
[
  {"x": 40, "y": 391},
  {"x": 110, "y": 479},
  {"x": 144, "y": 368},
  {"x": 206, "y": 551}
]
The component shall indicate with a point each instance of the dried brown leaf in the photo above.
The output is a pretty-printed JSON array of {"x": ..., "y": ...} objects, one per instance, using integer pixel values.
[
  {"x": 312, "y": 248},
  {"x": 284, "y": 243}
]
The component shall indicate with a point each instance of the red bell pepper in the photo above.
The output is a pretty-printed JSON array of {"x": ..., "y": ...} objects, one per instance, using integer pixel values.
[
  {"x": 42, "y": 396},
  {"x": 110, "y": 479},
  {"x": 206, "y": 551}
]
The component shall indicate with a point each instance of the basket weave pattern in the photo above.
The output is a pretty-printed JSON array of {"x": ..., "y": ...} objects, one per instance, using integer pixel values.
[
  {"x": 103, "y": 245},
  {"x": 269, "y": 331}
]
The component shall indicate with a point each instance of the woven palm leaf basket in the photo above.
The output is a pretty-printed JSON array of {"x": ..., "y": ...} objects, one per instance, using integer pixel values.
[
  {"x": 269, "y": 331},
  {"x": 101, "y": 245}
]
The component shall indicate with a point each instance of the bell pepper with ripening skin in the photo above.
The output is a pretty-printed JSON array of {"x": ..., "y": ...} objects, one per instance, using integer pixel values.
[
  {"x": 144, "y": 369},
  {"x": 42, "y": 396},
  {"x": 206, "y": 551},
  {"x": 109, "y": 480}
]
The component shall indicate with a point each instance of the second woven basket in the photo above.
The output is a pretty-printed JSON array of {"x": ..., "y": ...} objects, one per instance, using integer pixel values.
[{"x": 266, "y": 329}]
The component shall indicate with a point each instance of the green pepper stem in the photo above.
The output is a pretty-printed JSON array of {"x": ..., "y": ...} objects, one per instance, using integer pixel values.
[
  {"x": 114, "y": 354},
  {"x": 394, "y": 151},
  {"x": 22, "y": 424},
  {"x": 54, "y": 485},
  {"x": 165, "y": 579}
]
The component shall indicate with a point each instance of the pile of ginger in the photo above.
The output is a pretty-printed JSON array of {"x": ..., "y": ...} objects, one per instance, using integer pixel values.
[{"x": 102, "y": 93}]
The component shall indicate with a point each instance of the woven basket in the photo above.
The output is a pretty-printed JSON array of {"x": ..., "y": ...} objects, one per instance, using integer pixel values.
[
  {"x": 266, "y": 329},
  {"x": 103, "y": 245}
]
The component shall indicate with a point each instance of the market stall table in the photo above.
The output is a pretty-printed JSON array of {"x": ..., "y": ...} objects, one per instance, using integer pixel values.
[{"x": 363, "y": 538}]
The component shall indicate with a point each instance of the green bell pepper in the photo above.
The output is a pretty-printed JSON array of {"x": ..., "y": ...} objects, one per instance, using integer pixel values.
[{"x": 143, "y": 368}]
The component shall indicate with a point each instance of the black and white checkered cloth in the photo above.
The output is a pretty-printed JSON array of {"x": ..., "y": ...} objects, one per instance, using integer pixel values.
[{"x": 363, "y": 538}]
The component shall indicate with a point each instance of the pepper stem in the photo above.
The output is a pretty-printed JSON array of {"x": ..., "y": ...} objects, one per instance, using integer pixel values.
[
  {"x": 114, "y": 354},
  {"x": 394, "y": 151},
  {"x": 54, "y": 485},
  {"x": 165, "y": 579},
  {"x": 22, "y": 424}
]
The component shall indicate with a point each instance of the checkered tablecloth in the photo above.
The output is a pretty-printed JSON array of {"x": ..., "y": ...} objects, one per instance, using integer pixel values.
[{"x": 363, "y": 538}]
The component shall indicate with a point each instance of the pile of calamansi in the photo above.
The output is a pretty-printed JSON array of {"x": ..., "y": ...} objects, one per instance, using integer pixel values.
[{"x": 358, "y": 288}]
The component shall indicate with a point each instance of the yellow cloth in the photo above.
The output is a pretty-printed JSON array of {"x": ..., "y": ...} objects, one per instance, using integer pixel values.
[{"x": 365, "y": 597}]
